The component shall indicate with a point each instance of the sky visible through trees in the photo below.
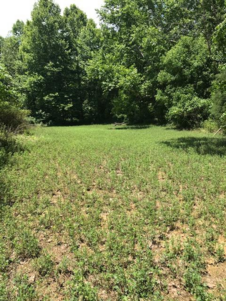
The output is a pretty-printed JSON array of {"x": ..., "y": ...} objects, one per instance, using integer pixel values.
[{"x": 12, "y": 10}]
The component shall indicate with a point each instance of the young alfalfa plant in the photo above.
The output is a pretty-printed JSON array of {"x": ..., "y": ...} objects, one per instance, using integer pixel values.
[
  {"x": 220, "y": 254},
  {"x": 80, "y": 289},
  {"x": 194, "y": 284},
  {"x": 4, "y": 258},
  {"x": 26, "y": 245},
  {"x": 44, "y": 265},
  {"x": 64, "y": 266},
  {"x": 4, "y": 295},
  {"x": 23, "y": 290}
]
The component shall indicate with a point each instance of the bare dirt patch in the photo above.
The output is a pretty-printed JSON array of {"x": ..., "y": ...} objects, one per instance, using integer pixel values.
[
  {"x": 216, "y": 277},
  {"x": 177, "y": 293},
  {"x": 161, "y": 176}
]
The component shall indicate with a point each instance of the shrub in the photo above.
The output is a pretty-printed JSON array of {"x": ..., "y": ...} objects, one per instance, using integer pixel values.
[
  {"x": 8, "y": 145},
  {"x": 13, "y": 118},
  {"x": 190, "y": 110},
  {"x": 210, "y": 125},
  {"x": 11, "y": 115}
]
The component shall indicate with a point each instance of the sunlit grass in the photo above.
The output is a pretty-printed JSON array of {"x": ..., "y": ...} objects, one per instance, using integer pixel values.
[{"x": 104, "y": 213}]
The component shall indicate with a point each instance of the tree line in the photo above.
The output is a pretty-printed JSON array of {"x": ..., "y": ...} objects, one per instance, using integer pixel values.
[{"x": 151, "y": 61}]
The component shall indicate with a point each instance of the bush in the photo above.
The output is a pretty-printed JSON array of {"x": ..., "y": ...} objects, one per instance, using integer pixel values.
[
  {"x": 184, "y": 81},
  {"x": 8, "y": 145},
  {"x": 13, "y": 118},
  {"x": 11, "y": 115},
  {"x": 189, "y": 112},
  {"x": 210, "y": 125}
]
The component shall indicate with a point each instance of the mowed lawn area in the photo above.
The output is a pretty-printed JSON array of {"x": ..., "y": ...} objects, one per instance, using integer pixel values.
[{"x": 105, "y": 213}]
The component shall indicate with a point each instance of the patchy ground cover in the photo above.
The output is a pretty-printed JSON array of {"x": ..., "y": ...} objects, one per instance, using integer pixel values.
[{"x": 101, "y": 213}]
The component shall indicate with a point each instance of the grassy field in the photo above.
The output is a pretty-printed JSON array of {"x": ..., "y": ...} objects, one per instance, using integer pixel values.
[{"x": 96, "y": 213}]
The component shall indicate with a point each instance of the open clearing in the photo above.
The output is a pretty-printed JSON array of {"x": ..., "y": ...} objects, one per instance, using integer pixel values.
[{"x": 95, "y": 213}]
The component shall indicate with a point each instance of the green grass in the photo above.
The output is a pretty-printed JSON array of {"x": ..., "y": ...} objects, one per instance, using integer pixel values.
[{"x": 95, "y": 213}]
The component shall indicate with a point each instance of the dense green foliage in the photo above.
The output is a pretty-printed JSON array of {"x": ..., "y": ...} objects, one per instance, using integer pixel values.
[
  {"x": 151, "y": 61},
  {"x": 11, "y": 116},
  {"x": 219, "y": 98},
  {"x": 114, "y": 214}
]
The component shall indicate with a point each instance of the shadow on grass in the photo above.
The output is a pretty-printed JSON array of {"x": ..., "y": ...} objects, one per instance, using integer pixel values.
[
  {"x": 129, "y": 127},
  {"x": 202, "y": 146}
]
